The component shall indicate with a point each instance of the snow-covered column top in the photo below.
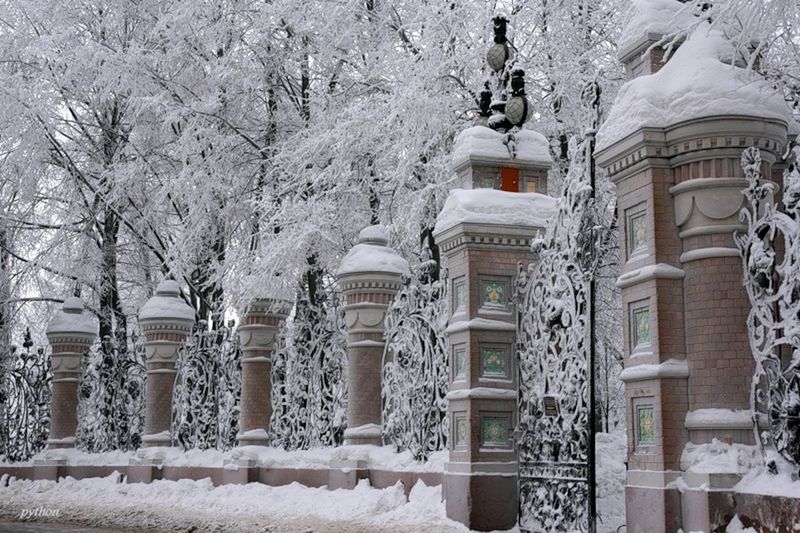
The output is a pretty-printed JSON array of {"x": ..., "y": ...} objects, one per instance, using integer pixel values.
[
  {"x": 698, "y": 81},
  {"x": 488, "y": 207},
  {"x": 515, "y": 161},
  {"x": 369, "y": 277},
  {"x": 165, "y": 316},
  {"x": 71, "y": 331}
]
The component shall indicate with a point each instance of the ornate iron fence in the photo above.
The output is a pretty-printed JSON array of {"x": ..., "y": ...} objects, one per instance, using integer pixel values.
[
  {"x": 25, "y": 393},
  {"x": 772, "y": 282},
  {"x": 208, "y": 385}
]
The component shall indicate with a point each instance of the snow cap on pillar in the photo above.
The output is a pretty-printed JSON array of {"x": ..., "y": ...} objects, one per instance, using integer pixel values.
[
  {"x": 72, "y": 318},
  {"x": 372, "y": 254},
  {"x": 166, "y": 304}
]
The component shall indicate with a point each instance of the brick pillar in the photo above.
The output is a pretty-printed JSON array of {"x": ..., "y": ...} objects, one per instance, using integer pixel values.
[
  {"x": 369, "y": 277},
  {"x": 257, "y": 336},
  {"x": 483, "y": 234},
  {"x": 70, "y": 333},
  {"x": 684, "y": 307},
  {"x": 166, "y": 320}
]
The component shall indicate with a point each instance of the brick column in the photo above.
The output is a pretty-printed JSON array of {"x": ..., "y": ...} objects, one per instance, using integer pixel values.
[
  {"x": 483, "y": 234},
  {"x": 684, "y": 307},
  {"x": 166, "y": 320},
  {"x": 70, "y": 333},
  {"x": 257, "y": 336},
  {"x": 369, "y": 277}
]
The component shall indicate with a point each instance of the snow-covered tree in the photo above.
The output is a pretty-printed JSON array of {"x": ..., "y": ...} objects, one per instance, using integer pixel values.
[{"x": 416, "y": 372}]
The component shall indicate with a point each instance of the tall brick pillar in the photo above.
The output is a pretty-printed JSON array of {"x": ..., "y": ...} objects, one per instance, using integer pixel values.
[
  {"x": 483, "y": 234},
  {"x": 688, "y": 366},
  {"x": 70, "y": 333},
  {"x": 166, "y": 320},
  {"x": 257, "y": 334},
  {"x": 369, "y": 277}
]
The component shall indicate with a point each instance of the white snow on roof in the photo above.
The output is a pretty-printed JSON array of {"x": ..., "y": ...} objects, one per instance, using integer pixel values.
[
  {"x": 696, "y": 82},
  {"x": 490, "y": 206},
  {"x": 166, "y": 303},
  {"x": 664, "y": 17},
  {"x": 486, "y": 143},
  {"x": 72, "y": 318},
  {"x": 372, "y": 254}
]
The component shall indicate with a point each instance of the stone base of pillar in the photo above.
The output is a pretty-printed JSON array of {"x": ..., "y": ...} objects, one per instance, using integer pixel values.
[
  {"x": 482, "y": 501},
  {"x": 61, "y": 444},
  {"x": 652, "y": 507},
  {"x": 253, "y": 437},
  {"x": 345, "y": 474},
  {"x": 366, "y": 434},
  {"x": 162, "y": 439}
]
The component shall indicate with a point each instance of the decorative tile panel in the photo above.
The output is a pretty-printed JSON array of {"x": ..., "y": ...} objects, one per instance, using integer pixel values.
[
  {"x": 495, "y": 293},
  {"x": 459, "y": 362},
  {"x": 645, "y": 425},
  {"x": 494, "y": 361},
  {"x": 460, "y": 432},
  {"x": 494, "y": 431},
  {"x": 640, "y": 326},
  {"x": 459, "y": 294}
]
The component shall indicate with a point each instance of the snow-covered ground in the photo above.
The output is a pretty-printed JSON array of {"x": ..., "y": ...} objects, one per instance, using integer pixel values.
[{"x": 169, "y": 505}]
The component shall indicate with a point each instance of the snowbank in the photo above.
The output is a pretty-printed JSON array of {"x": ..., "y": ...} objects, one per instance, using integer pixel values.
[
  {"x": 696, "y": 82},
  {"x": 663, "y": 17},
  {"x": 760, "y": 481},
  {"x": 373, "y": 254},
  {"x": 72, "y": 318},
  {"x": 490, "y": 206},
  {"x": 376, "y": 457},
  {"x": 480, "y": 142},
  {"x": 611, "y": 472},
  {"x": 198, "y": 505}
]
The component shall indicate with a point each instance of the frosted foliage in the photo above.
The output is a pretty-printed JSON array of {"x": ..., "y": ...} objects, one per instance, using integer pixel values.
[
  {"x": 111, "y": 397},
  {"x": 205, "y": 405},
  {"x": 552, "y": 299},
  {"x": 309, "y": 389},
  {"x": 416, "y": 372},
  {"x": 773, "y": 287},
  {"x": 25, "y": 394}
]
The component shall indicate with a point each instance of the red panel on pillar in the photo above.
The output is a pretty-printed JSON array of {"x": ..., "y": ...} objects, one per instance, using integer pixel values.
[{"x": 509, "y": 179}]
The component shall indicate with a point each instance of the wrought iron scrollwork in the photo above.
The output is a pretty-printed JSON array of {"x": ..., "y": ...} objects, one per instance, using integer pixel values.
[
  {"x": 552, "y": 298},
  {"x": 772, "y": 281},
  {"x": 25, "y": 394},
  {"x": 205, "y": 407}
]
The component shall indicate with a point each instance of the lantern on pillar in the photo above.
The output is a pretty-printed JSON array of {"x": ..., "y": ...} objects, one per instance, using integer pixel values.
[
  {"x": 517, "y": 109},
  {"x": 499, "y": 53}
]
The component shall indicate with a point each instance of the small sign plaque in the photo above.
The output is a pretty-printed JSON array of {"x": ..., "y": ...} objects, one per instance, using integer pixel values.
[{"x": 550, "y": 406}]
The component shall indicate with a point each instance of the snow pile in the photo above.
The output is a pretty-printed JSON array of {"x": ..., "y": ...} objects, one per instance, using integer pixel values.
[
  {"x": 760, "y": 481},
  {"x": 166, "y": 303},
  {"x": 198, "y": 505},
  {"x": 372, "y": 254},
  {"x": 72, "y": 318},
  {"x": 663, "y": 17},
  {"x": 490, "y": 206},
  {"x": 611, "y": 472},
  {"x": 719, "y": 457},
  {"x": 480, "y": 142},
  {"x": 696, "y": 82},
  {"x": 736, "y": 526}
]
